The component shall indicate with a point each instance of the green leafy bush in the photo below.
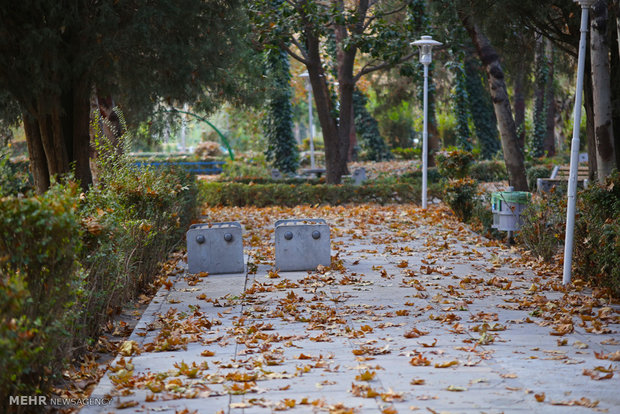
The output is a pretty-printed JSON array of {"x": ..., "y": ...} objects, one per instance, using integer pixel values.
[
  {"x": 432, "y": 175},
  {"x": 454, "y": 164},
  {"x": 407, "y": 153},
  {"x": 535, "y": 172},
  {"x": 41, "y": 283},
  {"x": 597, "y": 235},
  {"x": 460, "y": 195},
  {"x": 260, "y": 195},
  {"x": 15, "y": 175},
  {"x": 132, "y": 219},
  {"x": 488, "y": 171},
  {"x": 544, "y": 225},
  {"x": 245, "y": 168}
]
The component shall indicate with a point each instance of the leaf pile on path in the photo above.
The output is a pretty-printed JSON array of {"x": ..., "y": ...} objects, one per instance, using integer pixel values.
[{"x": 444, "y": 281}]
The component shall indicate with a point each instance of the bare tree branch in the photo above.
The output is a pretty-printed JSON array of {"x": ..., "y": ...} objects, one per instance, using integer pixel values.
[
  {"x": 294, "y": 55},
  {"x": 368, "y": 69}
]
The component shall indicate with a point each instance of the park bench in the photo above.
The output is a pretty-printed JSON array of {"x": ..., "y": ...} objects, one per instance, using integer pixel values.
[
  {"x": 560, "y": 175},
  {"x": 194, "y": 167}
]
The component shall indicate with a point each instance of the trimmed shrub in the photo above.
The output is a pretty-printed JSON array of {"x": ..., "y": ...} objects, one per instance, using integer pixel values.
[
  {"x": 41, "y": 282},
  {"x": 597, "y": 235},
  {"x": 544, "y": 224},
  {"x": 488, "y": 171},
  {"x": 460, "y": 194},
  {"x": 454, "y": 164},
  {"x": 261, "y": 195},
  {"x": 535, "y": 172},
  {"x": 407, "y": 153},
  {"x": 132, "y": 220},
  {"x": 432, "y": 175}
]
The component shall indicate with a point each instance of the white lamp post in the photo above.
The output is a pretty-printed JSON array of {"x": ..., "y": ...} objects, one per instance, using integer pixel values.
[
  {"x": 426, "y": 45},
  {"x": 306, "y": 76},
  {"x": 574, "y": 149}
]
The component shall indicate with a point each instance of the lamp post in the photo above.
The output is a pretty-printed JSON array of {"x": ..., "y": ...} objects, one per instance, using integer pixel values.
[
  {"x": 306, "y": 76},
  {"x": 574, "y": 146},
  {"x": 426, "y": 44}
]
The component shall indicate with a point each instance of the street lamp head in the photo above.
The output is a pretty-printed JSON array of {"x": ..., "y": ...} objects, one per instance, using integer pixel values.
[
  {"x": 585, "y": 3},
  {"x": 426, "y": 44}
]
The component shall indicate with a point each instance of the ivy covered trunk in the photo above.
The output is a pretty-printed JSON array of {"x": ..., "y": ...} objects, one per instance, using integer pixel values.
[
  {"x": 481, "y": 109},
  {"x": 513, "y": 156},
  {"x": 282, "y": 149}
]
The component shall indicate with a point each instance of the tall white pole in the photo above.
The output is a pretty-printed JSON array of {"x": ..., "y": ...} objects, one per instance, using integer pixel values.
[
  {"x": 425, "y": 139},
  {"x": 310, "y": 124},
  {"x": 574, "y": 150}
]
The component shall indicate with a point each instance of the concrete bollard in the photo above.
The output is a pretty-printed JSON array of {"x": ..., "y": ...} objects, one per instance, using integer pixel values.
[
  {"x": 359, "y": 176},
  {"x": 276, "y": 174},
  {"x": 302, "y": 244},
  {"x": 215, "y": 248}
]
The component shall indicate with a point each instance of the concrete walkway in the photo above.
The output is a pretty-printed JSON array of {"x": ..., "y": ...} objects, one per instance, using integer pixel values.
[{"x": 416, "y": 313}]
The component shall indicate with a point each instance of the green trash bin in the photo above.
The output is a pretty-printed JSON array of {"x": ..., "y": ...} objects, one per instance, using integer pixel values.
[{"x": 507, "y": 207}]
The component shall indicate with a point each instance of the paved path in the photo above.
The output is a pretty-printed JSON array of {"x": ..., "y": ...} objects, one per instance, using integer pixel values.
[{"x": 416, "y": 313}]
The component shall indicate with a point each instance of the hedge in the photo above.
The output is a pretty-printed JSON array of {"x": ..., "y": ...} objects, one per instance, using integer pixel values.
[{"x": 261, "y": 195}]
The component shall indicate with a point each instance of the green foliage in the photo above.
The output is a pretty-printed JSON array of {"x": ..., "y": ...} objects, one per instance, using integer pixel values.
[
  {"x": 371, "y": 141},
  {"x": 481, "y": 109},
  {"x": 460, "y": 195},
  {"x": 535, "y": 172},
  {"x": 133, "y": 218},
  {"x": 536, "y": 143},
  {"x": 597, "y": 235},
  {"x": 40, "y": 285},
  {"x": 261, "y": 195},
  {"x": 454, "y": 163},
  {"x": 544, "y": 222},
  {"x": 407, "y": 153},
  {"x": 488, "y": 171},
  {"x": 245, "y": 168},
  {"x": 15, "y": 176},
  {"x": 67, "y": 262},
  {"x": 461, "y": 109},
  {"x": 432, "y": 175},
  {"x": 281, "y": 149}
]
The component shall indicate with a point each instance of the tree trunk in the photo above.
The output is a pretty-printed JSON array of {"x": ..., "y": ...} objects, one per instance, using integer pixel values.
[
  {"x": 58, "y": 137},
  {"x": 549, "y": 143},
  {"x": 324, "y": 107},
  {"x": 513, "y": 156},
  {"x": 346, "y": 62},
  {"x": 601, "y": 91},
  {"x": 50, "y": 127},
  {"x": 38, "y": 161}
]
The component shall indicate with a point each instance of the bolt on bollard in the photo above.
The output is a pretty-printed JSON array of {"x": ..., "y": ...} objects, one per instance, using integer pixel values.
[{"x": 215, "y": 248}]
